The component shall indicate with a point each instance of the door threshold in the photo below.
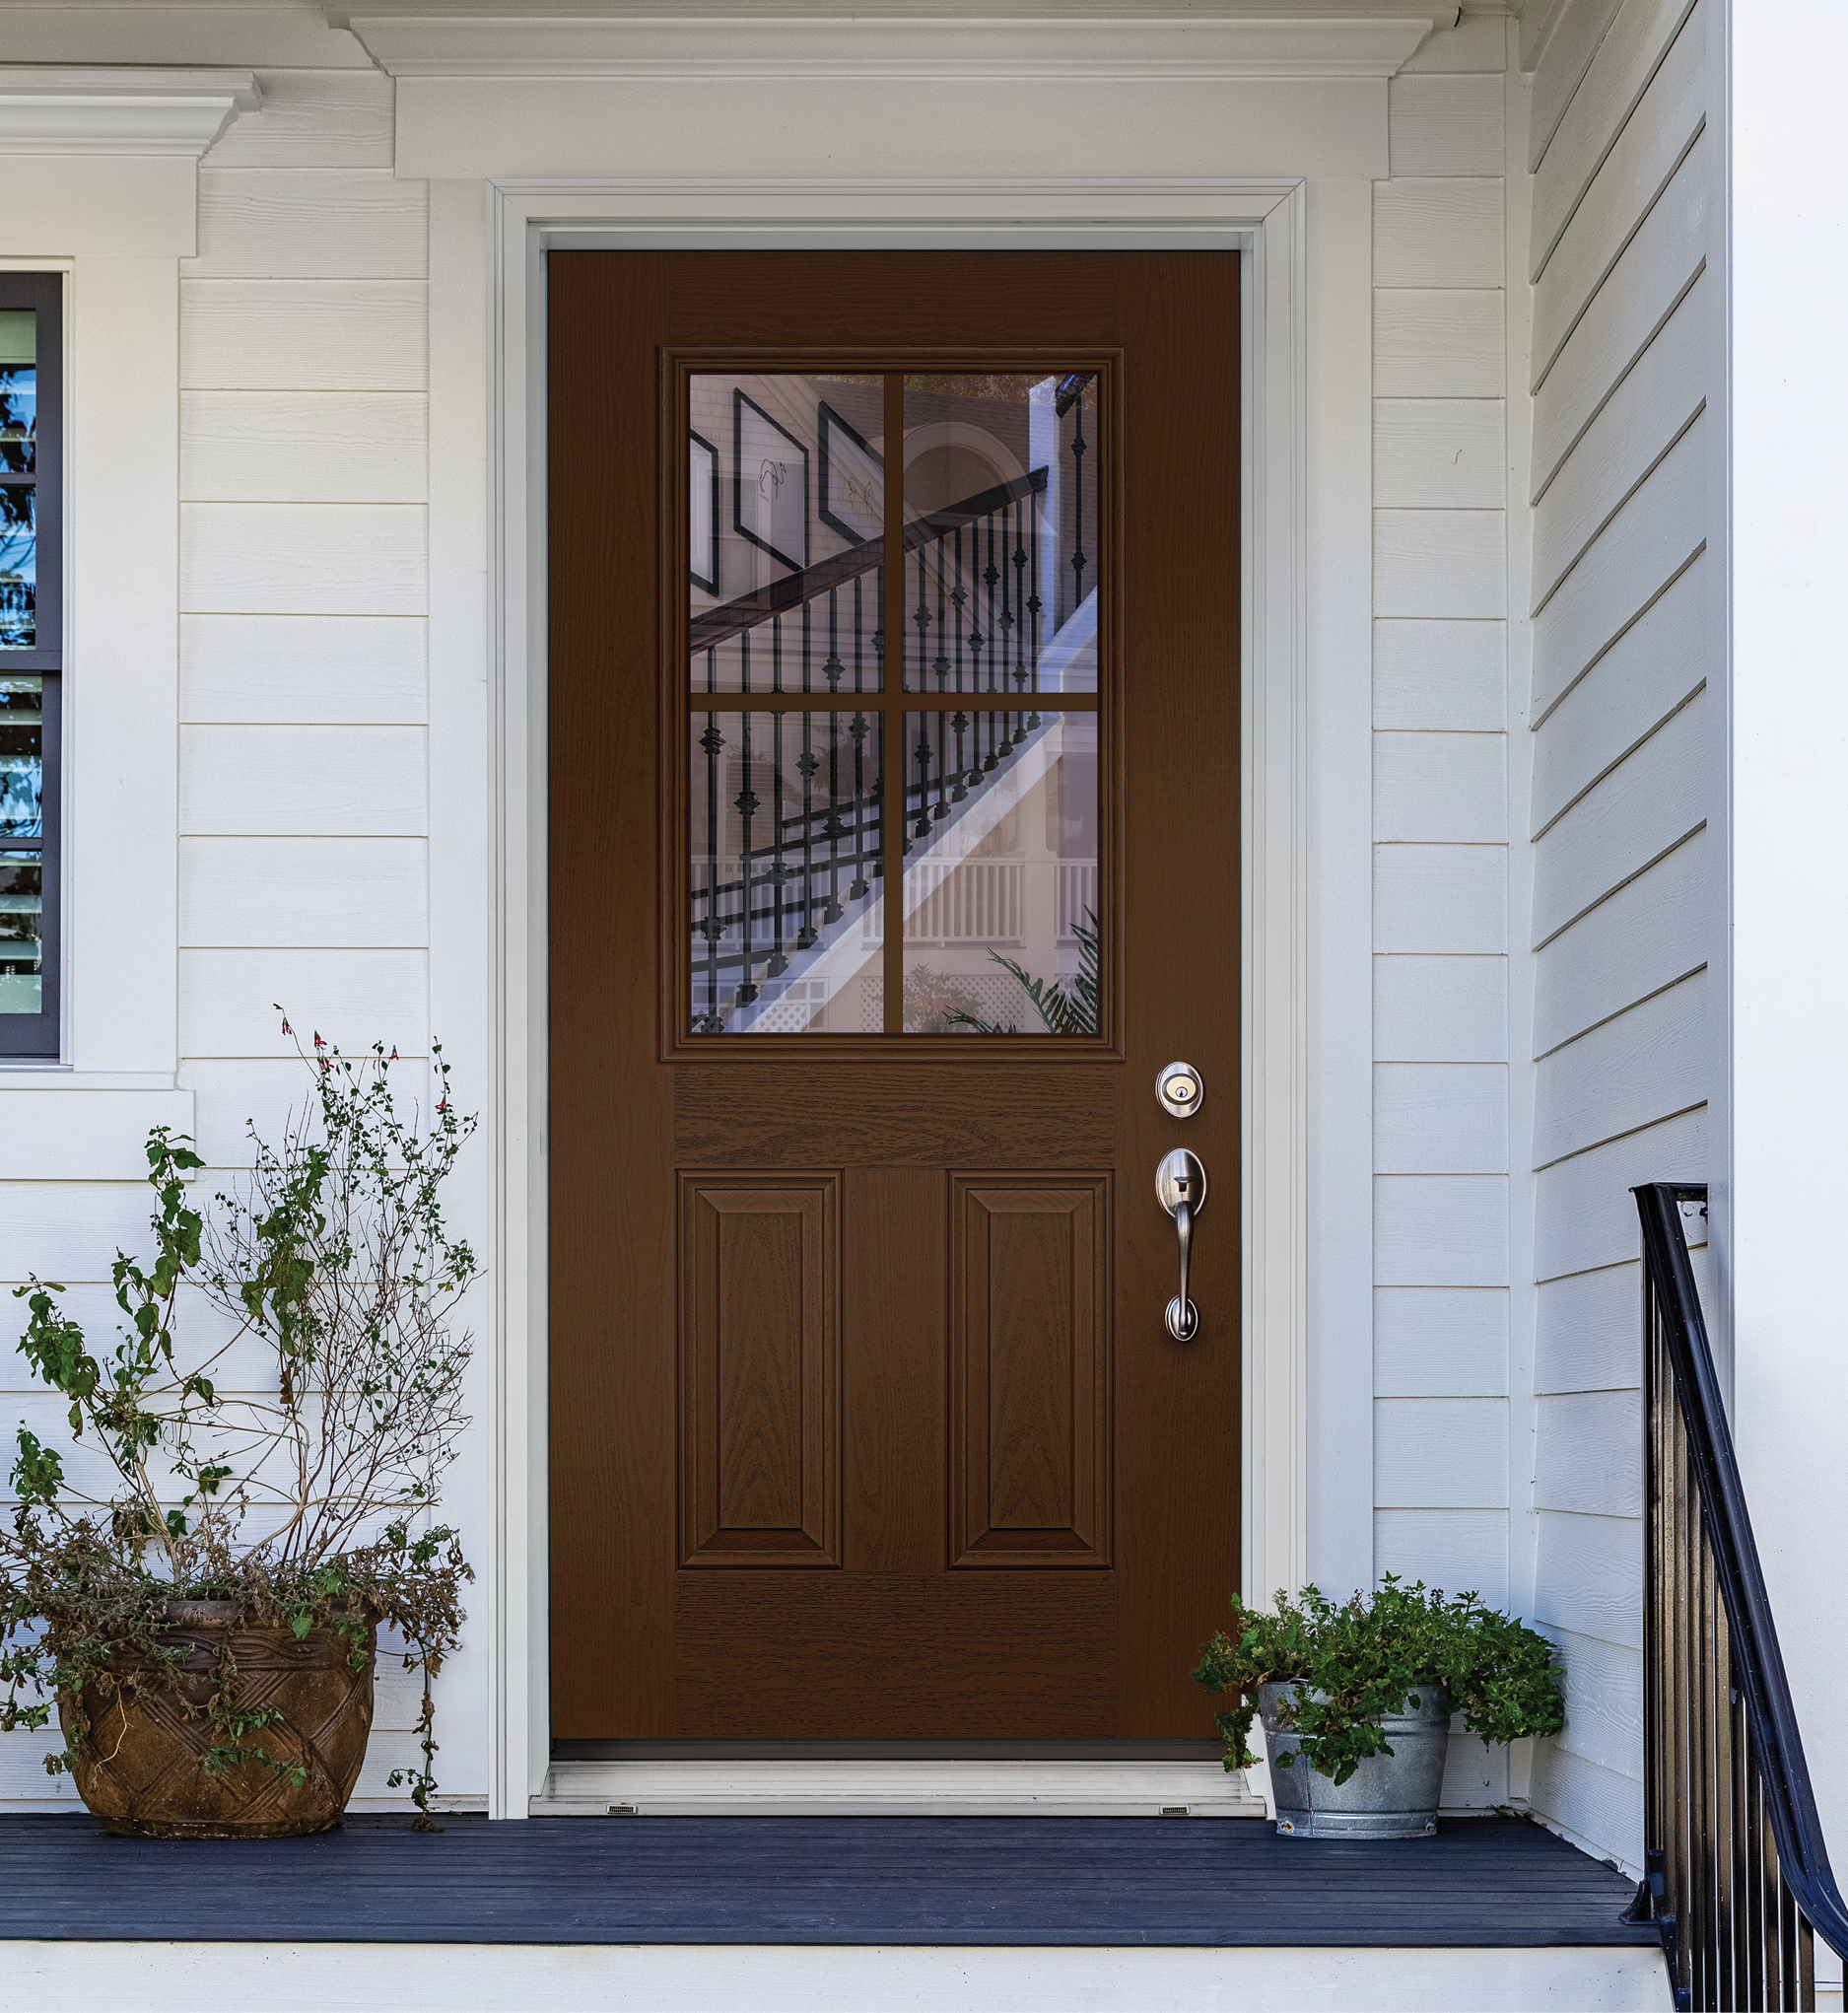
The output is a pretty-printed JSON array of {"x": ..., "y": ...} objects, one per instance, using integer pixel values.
[{"x": 895, "y": 1788}]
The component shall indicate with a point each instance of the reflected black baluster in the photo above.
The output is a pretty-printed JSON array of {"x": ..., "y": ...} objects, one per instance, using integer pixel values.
[
  {"x": 960, "y": 722},
  {"x": 1020, "y": 602},
  {"x": 922, "y": 617},
  {"x": 834, "y": 670},
  {"x": 1034, "y": 608},
  {"x": 778, "y": 872},
  {"x": 964, "y": 775},
  {"x": 923, "y": 752},
  {"x": 860, "y": 888},
  {"x": 712, "y": 1021},
  {"x": 941, "y": 665},
  {"x": 989, "y": 575},
  {"x": 1077, "y": 502},
  {"x": 1011, "y": 642},
  {"x": 878, "y": 627},
  {"x": 746, "y": 802},
  {"x": 806, "y": 763}
]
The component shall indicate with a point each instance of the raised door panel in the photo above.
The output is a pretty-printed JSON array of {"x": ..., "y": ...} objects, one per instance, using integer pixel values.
[
  {"x": 760, "y": 1374},
  {"x": 1030, "y": 1398}
]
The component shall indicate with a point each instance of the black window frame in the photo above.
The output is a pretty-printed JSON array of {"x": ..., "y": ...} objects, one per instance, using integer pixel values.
[{"x": 37, "y": 1037}]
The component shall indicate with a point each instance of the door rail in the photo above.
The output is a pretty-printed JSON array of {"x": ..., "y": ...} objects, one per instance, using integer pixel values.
[{"x": 1738, "y": 1877}]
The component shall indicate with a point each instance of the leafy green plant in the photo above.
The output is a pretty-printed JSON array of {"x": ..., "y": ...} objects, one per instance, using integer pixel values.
[
  {"x": 1064, "y": 1007},
  {"x": 303, "y": 1491},
  {"x": 1357, "y": 1660}
]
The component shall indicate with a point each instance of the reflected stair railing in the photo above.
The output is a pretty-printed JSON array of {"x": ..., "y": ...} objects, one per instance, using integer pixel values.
[
  {"x": 1738, "y": 1877},
  {"x": 772, "y": 904}
]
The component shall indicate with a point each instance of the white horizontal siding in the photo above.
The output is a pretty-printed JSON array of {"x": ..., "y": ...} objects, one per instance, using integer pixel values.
[
  {"x": 1440, "y": 1009},
  {"x": 1445, "y": 125},
  {"x": 302, "y": 559},
  {"x": 1442, "y": 788},
  {"x": 278, "y": 781},
  {"x": 304, "y": 447},
  {"x": 1440, "y": 454},
  {"x": 310, "y": 224},
  {"x": 302, "y": 669},
  {"x": 1450, "y": 563},
  {"x": 1440, "y": 1118},
  {"x": 1604, "y": 1685},
  {"x": 1440, "y": 898},
  {"x": 1589, "y": 1445},
  {"x": 1439, "y": 342},
  {"x": 1440, "y": 1342},
  {"x": 1440, "y": 675},
  {"x": 1440, "y": 1230},
  {"x": 304, "y": 335},
  {"x": 1597, "y": 1808},
  {"x": 344, "y": 892},
  {"x": 232, "y": 1002},
  {"x": 1459, "y": 1551},
  {"x": 313, "y": 118},
  {"x": 1438, "y": 233},
  {"x": 64, "y": 1135},
  {"x": 1439, "y": 1453}
]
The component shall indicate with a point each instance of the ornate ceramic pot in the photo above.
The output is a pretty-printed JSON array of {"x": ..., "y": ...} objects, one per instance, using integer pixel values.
[{"x": 142, "y": 1769}]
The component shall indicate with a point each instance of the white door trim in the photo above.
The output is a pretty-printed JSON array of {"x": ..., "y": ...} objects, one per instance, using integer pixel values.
[{"x": 1264, "y": 218}]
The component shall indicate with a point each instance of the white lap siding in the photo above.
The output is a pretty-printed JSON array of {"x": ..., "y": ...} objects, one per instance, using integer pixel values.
[
  {"x": 304, "y": 792},
  {"x": 1625, "y": 632},
  {"x": 1440, "y": 827}
]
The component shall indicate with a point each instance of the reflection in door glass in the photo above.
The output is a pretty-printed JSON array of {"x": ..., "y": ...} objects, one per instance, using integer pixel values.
[
  {"x": 786, "y": 553},
  {"x": 1002, "y": 889},
  {"x": 787, "y": 872},
  {"x": 1002, "y": 479},
  {"x": 22, "y": 843}
]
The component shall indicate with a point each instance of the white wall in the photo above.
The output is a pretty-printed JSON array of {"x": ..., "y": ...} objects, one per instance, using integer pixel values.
[
  {"x": 1440, "y": 829},
  {"x": 302, "y": 763},
  {"x": 1625, "y": 611}
]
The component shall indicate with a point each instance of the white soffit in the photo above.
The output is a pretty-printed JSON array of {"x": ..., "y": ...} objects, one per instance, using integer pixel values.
[
  {"x": 817, "y": 42},
  {"x": 85, "y": 111}
]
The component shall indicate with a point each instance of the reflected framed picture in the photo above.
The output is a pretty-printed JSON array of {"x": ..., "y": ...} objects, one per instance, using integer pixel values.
[
  {"x": 853, "y": 480},
  {"x": 769, "y": 484},
  {"x": 702, "y": 495}
]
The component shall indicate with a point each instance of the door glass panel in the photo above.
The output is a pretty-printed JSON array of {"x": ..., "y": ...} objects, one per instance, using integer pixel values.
[
  {"x": 1000, "y": 511},
  {"x": 19, "y": 542},
  {"x": 786, "y": 557},
  {"x": 786, "y": 872},
  {"x": 1001, "y": 887}
]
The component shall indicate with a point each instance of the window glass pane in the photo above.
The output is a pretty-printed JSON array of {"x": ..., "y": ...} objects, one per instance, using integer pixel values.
[
  {"x": 19, "y": 387},
  {"x": 1000, "y": 510},
  {"x": 22, "y": 816},
  {"x": 787, "y": 497},
  {"x": 1001, "y": 888},
  {"x": 22, "y": 756},
  {"x": 787, "y": 876}
]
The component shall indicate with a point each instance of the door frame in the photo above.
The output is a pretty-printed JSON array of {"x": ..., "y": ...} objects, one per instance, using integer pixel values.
[{"x": 487, "y": 401}]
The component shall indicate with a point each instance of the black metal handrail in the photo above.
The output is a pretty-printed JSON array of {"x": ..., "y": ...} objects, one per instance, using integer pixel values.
[{"x": 1724, "y": 1754}]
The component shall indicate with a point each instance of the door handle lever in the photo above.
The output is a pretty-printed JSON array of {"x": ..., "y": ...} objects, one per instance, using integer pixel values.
[{"x": 1181, "y": 1187}]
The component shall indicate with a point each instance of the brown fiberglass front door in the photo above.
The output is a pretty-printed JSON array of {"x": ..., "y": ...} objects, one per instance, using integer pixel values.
[{"x": 894, "y": 826}]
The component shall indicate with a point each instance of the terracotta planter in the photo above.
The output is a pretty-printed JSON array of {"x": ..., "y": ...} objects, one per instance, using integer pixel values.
[{"x": 142, "y": 1769}]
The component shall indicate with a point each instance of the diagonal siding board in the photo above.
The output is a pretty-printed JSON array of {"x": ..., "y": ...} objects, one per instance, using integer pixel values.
[
  {"x": 1621, "y": 71},
  {"x": 1635, "y": 816},
  {"x": 1654, "y": 1059},
  {"x": 1589, "y": 1576},
  {"x": 1584, "y": 1213},
  {"x": 1655, "y": 930},
  {"x": 1643, "y": 548},
  {"x": 1637, "y": 170},
  {"x": 1577, "y": 30},
  {"x": 1658, "y": 266},
  {"x": 1589, "y": 1453},
  {"x": 1642, "y": 420}
]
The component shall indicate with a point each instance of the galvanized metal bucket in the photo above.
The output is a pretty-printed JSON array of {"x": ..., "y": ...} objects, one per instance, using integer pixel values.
[{"x": 1389, "y": 1796}]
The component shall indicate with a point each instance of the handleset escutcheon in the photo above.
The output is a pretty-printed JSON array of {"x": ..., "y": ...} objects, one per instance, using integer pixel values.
[{"x": 1181, "y": 1187}]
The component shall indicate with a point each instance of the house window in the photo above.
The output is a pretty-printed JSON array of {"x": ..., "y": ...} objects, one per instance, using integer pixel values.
[{"x": 32, "y": 657}]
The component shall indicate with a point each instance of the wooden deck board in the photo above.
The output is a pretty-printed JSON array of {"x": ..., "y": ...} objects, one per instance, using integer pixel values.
[{"x": 1481, "y": 1883}]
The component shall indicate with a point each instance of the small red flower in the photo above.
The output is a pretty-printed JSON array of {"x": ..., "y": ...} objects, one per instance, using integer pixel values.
[
  {"x": 318, "y": 1043},
  {"x": 443, "y": 1104}
]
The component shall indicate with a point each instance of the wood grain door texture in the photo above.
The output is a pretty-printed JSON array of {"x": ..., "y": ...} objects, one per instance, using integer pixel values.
[{"x": 865, "y": 1424}]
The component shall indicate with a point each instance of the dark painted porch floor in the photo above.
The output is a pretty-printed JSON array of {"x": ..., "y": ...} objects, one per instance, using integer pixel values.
[{"x": 1034, "y": 1881}]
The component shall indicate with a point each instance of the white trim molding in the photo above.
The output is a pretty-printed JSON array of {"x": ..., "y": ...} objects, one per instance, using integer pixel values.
[
  {"x": 1265, "y": 219},
  {"x": 964, "y": 46},
  {"x": 83, "y": 111}
]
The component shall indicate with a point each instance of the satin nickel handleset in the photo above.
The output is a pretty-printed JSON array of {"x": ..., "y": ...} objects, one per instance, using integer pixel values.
[{"x": 1181, "y": 1186}]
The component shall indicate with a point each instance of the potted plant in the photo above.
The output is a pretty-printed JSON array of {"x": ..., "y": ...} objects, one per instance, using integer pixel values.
[
  {"x": 197, "y": 1574},
  {"x": 1363, "y": 1690}
]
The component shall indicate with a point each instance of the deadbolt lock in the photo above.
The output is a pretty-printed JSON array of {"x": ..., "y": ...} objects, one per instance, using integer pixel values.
[{"x": 1180, "y": 1090}]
